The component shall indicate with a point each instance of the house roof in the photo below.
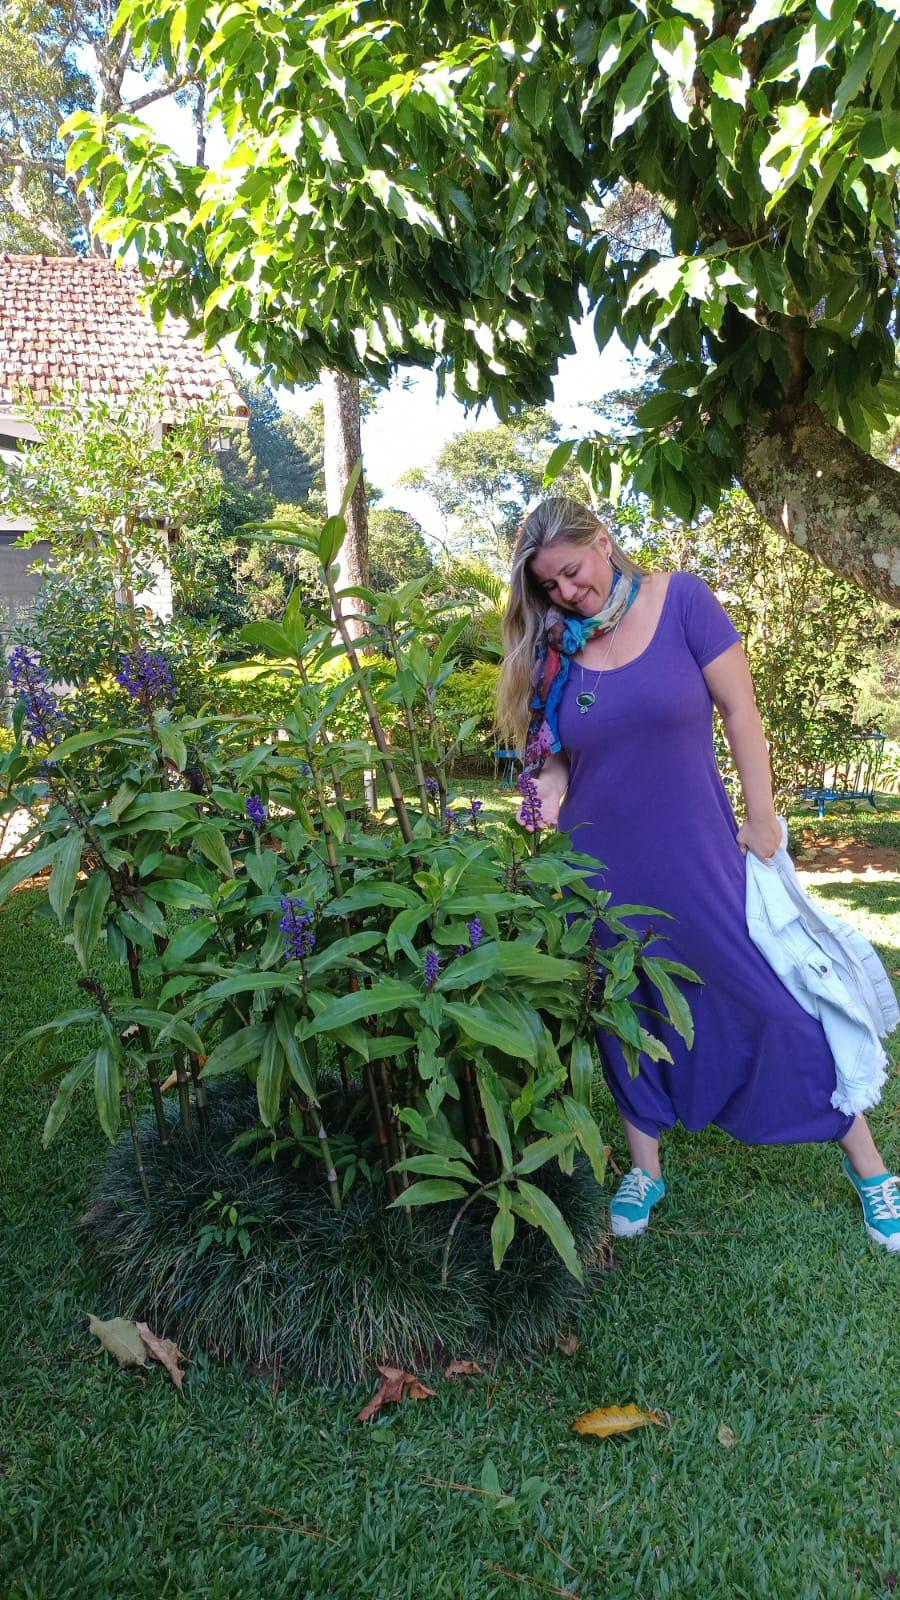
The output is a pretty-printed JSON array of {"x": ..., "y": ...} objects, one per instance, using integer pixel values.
[{"x": 73, "y": 320}]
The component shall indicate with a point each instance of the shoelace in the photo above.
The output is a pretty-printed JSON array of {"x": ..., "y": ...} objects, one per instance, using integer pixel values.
[
  {"x": 635, "y": 1186},
  {"x": 885, "y": 1200}
]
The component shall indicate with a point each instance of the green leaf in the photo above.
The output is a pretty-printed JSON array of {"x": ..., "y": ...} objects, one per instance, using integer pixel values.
[
  {"x": 540, "y": 1151},
  {"x": 558, "y": 461},
  {"x": 514, "y": 959},
  {"x": 187, "y": 941},
  {"x": 210, "y": 841},
  {"x": 677, "y": 1008},
  {"x": 270, "y": 1078},
  {"x": 172, "y": 743},
  {"x": 633, "y": 95},
  {"x": 536, "y": 1208},
  {"x": 89, "y": 912},
  {"x": 386, "y": 995},
  {"x": 581, "y": 1071},
  {"x": 237, "y": 1050},
  {"x": 534, "y": 95},
  {"x": 107, "y": 1090},
  {"x": 495, "y": 1117},
  {"x": 430, "y": 1192},
  {"x": 436, "y": 1166},
  {"x": 331, "y": 539},
  {"x": 177, "y": 892},
  {"x": 475, "y": 1023},
  {"x": 25, "y": 867},
  {"x": 65, "y": 872},
  {"x": 503, "y": 1227},
  {"x": 588, "y": 1135},
  {"x": 59, "y": 1110},
  {"x": 271, "y": 637},
  {"x": 262, "y": 869},
  {"x": 298, "y": 1064},
  {"x": 401, "y": 930}
]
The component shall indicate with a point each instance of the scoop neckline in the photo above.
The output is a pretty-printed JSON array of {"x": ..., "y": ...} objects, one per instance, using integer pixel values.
[{"x": 607, "y": 672}]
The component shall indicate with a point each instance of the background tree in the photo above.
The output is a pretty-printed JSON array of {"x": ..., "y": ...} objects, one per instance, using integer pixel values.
[
  {"x": 444, "y": 185},
  {"x": 483, "y": 479},
  {"x": 46, "y": 54},
  {"x": 397, "y": 548},
  {"x": 271, "y": 454}
]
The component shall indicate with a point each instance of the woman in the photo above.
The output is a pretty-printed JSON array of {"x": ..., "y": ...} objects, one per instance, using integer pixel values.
[{"x": 624, "y": 711}]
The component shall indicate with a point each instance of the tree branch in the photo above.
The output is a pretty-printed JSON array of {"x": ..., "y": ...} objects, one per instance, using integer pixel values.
[
  {"x": 821, "y": 492},
  {"x": 172, "y": 87}
]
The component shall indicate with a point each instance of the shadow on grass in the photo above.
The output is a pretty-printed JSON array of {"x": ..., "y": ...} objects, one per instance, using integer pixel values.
[{"x": 880, "y": 899}]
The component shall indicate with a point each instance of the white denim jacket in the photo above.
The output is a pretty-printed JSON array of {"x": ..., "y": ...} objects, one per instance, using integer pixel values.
[{"x": 830, "y": 969}]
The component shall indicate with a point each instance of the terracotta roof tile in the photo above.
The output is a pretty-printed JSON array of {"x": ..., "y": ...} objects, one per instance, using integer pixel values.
[{"x": 72, "y": 319}]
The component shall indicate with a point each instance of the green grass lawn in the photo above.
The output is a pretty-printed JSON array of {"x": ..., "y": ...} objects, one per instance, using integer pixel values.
[{"x": 756, "y": 1302}]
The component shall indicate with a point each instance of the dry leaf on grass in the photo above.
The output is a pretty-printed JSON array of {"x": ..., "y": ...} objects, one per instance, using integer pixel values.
[
  {"x": 165, "y": 1351},
  {"x": 567, "y": 1343},
  {"x": 725, "y": 1435},
  {"x": 464, "y": 1369},
  {"x": 396, "y": 1385},
  {"x": 616, "y": 1419},
  {"x": 121, "y": 1339}
]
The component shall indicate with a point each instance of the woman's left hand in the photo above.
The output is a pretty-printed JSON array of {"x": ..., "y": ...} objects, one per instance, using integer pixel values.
[{"x": 763, "y": 838}]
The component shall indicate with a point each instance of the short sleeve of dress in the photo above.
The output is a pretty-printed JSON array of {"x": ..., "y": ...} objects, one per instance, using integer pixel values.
[{"x": 708, "y": 628}]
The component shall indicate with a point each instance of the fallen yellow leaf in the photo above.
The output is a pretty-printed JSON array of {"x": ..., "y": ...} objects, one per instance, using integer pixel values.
[
  {"x": 725, "y": 1435},
  {"x": 616, "y": 1419}
]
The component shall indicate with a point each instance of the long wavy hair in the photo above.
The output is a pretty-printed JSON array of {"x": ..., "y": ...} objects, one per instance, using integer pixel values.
[{"x": 551, "y": 522}]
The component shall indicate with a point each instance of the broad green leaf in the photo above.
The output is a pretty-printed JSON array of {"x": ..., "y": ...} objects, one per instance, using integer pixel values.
[
  {"x": 536, "y": 1208},
  {"x": 68, "y": 1084},
  {"x": 503, "y": 1227},
  {"x": 515, "y": 959},
  {"x": 677, "y": 1008},
  {"x": 540, "y": 1151},
  {"x": 436, "y": 1166},
  {"x": 633, "y": 95},
  {"x": 187, "y": 941},
  {"x": 271, "y": 637},
  {"x": 431, "y": 1191},
  {"x": 495, "y": 1116},
  {"x": 331, "y": 539},
  {"x": 171, "y": 740},
  {"x": 339, "y": 951},
  {"x": 400, "y": 933},
  {"x": 240, "y": 1049},
  {"x": 581, "y": 1071},
  {"x": 475, "y": 1023},
  {"x": 270, "y": 1078},
  {"x": 177, "y": 892},
  {"x": 386, "y": 995},
  {"x": 210, "y": 841},
  {"x": 107, "y": 1090},
  {"x": 65, "y": 872},
  {"x": 21, "y": 870},
  {"x": 295, "y": 1056},
  {"x": 89, "y": 912},
  {"x": 535, "y": 95},
  {"x": 588, "y": 1135}
]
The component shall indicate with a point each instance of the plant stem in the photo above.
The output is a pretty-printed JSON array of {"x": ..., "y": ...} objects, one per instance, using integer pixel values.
[
  {"x": 390, "y": 770},
  {"x": 325, "y": 1147},
  {"x": 200, "y": 1093},
  {"x": 162, "y": 1126},
  {"x": 136, "y": 1144},
  {"x": 483, "y": 1189},
  {"x": 380, "y": 1131},
  {"x": 411, "y": 729},
  {"x": 184, "y": 1096}
]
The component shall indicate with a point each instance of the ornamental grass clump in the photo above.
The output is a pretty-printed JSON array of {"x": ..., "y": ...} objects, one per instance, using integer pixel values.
[{"x": 414, "y": 1007}]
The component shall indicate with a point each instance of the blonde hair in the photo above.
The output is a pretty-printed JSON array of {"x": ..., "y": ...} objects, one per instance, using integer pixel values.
[{"x": 552, "y": 522}]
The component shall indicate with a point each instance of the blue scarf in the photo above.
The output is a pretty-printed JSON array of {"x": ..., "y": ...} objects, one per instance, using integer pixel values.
[{"x": 565, "y": 634}]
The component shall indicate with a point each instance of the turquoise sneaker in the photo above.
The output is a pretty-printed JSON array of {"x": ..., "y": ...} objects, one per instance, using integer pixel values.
[
  {"x": 881, "y": 1206},
  {"x": 633, "y": 1201}
]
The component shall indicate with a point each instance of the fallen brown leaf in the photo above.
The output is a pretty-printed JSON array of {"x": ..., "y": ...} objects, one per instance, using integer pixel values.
[
  {"x": 725, "y": 1435},
  {"x": 567, "y": 1343},
  {"x": 616, "y": 1419},
  {"x": 120, "y": 1338},
  {"x": 169, "y": 1083},
  {"x": 464, "y": 1369},
  {"x": 396, "y": 1386},
  {"x": 165, "y": 1351}
]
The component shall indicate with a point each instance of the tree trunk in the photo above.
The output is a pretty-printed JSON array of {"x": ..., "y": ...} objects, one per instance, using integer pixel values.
[
  {"x": 343, "y": 448},
  {"x": 824, "y": 494}
]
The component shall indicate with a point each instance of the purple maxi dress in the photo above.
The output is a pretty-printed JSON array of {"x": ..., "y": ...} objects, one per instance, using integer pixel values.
[{"x": 646, "y": 798}]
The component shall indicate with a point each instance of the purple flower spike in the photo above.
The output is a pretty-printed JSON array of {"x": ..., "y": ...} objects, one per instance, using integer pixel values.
[
  {"x": 147, "y": 677},
  {"x": 431, "y": 787},
  {"x": 476, "y": 932},
  {"x": 45, "y": 720},
  {"x": 257, "y": 811},
  {"x": 451, "y": 818},
  {"x": 475, "y": 806},
  {"x": 296, "y": 925},
  {"x": 432, "y": 967},
  {"x": 530, "y": 813}
]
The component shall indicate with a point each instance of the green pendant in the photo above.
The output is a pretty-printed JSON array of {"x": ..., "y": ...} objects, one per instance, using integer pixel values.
[{"x": 585, "y": 701}]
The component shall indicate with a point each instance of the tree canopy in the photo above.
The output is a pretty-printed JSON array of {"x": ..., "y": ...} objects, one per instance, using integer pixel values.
[{"x": 430, "y": 184}]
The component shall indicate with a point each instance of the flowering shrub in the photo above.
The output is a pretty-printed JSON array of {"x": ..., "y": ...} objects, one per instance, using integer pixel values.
[{"x": 414, "y": 999}]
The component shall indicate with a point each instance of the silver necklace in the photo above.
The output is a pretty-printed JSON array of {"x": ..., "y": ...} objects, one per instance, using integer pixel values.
[{"x": 586, "y": 698}]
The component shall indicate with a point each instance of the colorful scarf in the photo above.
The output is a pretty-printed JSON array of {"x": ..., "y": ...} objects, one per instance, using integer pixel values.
[{"x": 563, "y": 636}]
